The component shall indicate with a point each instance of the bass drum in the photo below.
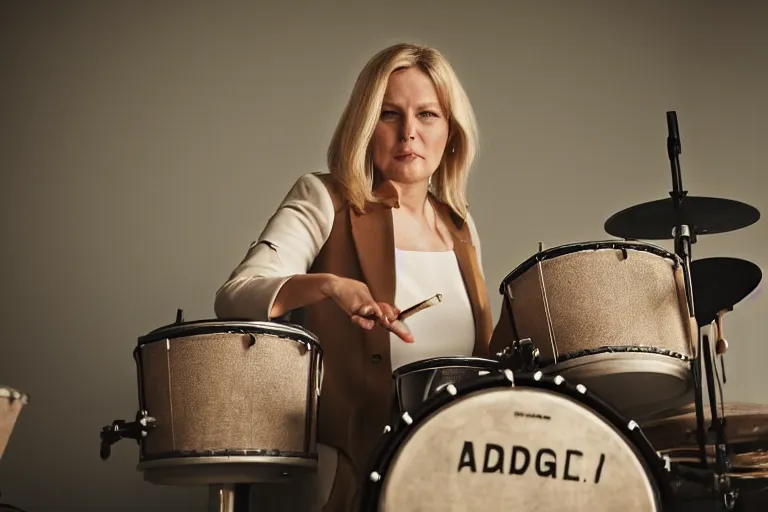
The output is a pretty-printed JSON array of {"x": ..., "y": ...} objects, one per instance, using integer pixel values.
[{"x": 507, "y": 442}]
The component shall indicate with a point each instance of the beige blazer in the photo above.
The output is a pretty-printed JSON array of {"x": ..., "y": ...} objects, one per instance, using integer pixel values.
[{"x": 315, "y": 230}]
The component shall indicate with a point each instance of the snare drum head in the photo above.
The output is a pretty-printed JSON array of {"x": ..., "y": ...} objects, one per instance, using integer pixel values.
[{"x": 520, "y": 448}]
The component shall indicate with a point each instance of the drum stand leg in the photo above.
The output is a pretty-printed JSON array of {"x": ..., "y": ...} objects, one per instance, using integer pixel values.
[{"x": 229, "y": 498}]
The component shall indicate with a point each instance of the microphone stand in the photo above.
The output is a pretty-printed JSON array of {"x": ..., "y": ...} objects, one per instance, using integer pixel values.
[{"x": 685, "y": 236}]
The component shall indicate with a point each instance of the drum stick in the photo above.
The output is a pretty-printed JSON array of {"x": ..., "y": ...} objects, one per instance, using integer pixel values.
[{"x": 432, "y": 301}]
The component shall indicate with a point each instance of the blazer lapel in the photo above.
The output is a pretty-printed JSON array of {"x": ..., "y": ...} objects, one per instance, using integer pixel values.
[
  {"x": 373, "y": 237},
  {"x": 473, "y": 278}
]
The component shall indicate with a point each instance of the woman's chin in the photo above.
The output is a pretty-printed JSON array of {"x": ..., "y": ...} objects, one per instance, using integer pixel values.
[{"x": 407, "y": 174}]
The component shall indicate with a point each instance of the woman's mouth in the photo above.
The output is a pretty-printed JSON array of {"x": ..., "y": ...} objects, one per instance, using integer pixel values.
[{"x": 406, "y": 157}]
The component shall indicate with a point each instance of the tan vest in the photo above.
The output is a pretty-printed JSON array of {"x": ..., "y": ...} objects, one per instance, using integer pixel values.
[{"x": 357, "y": 392}]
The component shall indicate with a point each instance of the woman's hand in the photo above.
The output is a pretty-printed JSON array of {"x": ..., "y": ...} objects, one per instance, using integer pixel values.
[{"x": 355, "y": 299}]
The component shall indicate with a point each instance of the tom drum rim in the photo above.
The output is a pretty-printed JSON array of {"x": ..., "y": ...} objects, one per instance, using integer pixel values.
[
  {"x": 198, "y": 327},
  {"x": 562, "y": 250}
]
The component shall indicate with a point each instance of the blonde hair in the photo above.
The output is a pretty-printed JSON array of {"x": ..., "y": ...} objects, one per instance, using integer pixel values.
[{"x": 349, "y": 159}]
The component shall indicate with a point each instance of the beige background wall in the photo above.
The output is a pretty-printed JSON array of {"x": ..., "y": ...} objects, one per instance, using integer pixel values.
[{"x": 143, "y": 146}]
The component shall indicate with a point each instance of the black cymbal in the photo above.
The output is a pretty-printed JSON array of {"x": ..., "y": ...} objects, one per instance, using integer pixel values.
[
  {"x": 721, "y": 283},
  {"x": 655, "y": 220}
]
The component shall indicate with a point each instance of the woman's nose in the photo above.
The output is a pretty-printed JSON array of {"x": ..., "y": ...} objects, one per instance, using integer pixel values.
[{"x": 408, "y": 128}]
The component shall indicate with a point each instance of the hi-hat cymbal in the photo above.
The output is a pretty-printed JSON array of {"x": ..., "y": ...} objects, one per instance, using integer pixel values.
[
  {"x": 721, "y": 283},
  {"x": 746, "y": 434},
  {"x": 655, "y": 220}
]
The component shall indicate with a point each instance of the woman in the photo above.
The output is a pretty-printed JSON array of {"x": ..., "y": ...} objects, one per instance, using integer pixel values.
[{"x": 387, "y": 228}]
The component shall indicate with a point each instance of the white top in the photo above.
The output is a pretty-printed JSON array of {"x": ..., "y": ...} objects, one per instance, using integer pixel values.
[
  {"x": 446, "y": 329},
  {"x": 289, "y": 244}
]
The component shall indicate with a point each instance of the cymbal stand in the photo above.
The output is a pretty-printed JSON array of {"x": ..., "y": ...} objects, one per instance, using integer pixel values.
[{"x": 685, "y": 236}]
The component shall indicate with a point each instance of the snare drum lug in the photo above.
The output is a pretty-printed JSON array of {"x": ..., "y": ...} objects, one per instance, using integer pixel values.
[
  {"x": 374, "y": 477},
  {"x": 407, "y": 418}
]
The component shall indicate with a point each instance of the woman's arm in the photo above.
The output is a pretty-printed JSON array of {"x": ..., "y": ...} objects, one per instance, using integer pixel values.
[{"x": 272, "y": 279}]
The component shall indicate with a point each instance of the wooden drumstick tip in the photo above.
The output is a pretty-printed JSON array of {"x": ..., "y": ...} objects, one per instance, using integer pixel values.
[
  {"x": 721, "y": 346},
  {"x": 432, "y": 301}
]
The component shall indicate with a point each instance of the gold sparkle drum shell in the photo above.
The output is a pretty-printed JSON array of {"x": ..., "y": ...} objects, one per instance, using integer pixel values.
[
  {"x": 232, "y": 402},
  {"x": 12, "y": 402},
  {"x": 612, "y": 315},
  {"x": 493, "y": 445}
]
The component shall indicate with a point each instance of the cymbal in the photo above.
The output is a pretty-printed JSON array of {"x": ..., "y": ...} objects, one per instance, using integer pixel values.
[
  {"x": 655, "y": 220},
  {"x": 746, "y": 434},
  {"x": 721, "y": 283}
]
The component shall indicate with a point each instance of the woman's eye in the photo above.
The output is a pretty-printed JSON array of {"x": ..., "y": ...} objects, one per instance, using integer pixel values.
[
  {"x": 387, "y": 114},
  {"x": 430, "y": 114}
]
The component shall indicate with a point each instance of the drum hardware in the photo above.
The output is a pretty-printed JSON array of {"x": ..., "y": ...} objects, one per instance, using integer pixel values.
[
  {"x": 121, "y": 429},
  {"x": 683, "y": 218},
  {"x": 520, "y": 355},
  {"x": 229, "y": 498}
]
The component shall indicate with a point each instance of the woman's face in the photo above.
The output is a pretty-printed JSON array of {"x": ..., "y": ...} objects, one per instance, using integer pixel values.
[{"x": 412, "y": 131}]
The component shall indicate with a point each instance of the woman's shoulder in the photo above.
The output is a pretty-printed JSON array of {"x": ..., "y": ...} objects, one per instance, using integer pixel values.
[{"x": 317, "y": 188}]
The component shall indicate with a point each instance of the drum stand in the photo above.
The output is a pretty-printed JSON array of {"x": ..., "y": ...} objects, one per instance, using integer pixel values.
[
  {"x": 685, "y": 237},
  {"x": 229, "y": 498}
]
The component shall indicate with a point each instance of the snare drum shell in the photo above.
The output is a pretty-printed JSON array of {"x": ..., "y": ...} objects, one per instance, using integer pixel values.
[
  {"x": 615, "y": 295},
  {"x": 229, "y": 393}
]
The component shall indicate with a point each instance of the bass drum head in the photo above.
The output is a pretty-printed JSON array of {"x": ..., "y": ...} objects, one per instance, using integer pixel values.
[{"x": 486, "y": 446}]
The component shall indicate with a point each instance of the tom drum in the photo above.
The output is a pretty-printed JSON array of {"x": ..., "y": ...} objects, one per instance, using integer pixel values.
[
  {"x": 612, "y": 315},
  {"x": 227, "y": 402}
]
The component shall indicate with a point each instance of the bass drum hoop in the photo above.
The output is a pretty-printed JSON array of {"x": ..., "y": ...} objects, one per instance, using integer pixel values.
[
  {"x": 394, "y": 439},
  {"x": 562, "y": 250}
]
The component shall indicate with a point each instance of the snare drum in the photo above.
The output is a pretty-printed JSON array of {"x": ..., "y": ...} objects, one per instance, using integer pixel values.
[
  {"x": 416, "y": 382},
  {"x": 11, "y": 403},
  {"x": 612, "y": 315},
  {"x": 231, "y": 402},
  {"x": 537, "y": 443}
]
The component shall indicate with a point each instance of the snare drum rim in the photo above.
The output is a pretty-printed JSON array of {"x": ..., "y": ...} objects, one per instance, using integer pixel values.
[
  {"x": 394, "y": 438},
  {"x": 198, "y": 327},
  {"x": 439, "y": 363},
  {"x": 562, "y": 250}
]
